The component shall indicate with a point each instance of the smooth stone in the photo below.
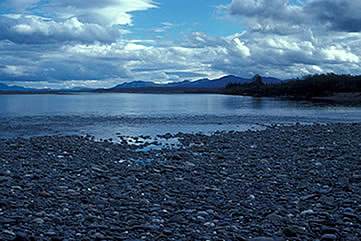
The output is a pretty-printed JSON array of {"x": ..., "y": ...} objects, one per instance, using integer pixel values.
[
  {"x": 202, "y": 213},
  {"x": 98, "y": 236},
  {"x": 328, "y": 237},
  {"x": 21, "y": 237},
  {"x": 263, "y": 239},
  {"x": 8, "y": 232},
  {"x": 328, "y": 230},
  {"x": 307, "y": 212},
  {"x": 351, "y": 215},
  {"x": 293, "y": 231},
  {"x": 275, "y": 219},
  {"x": 355, "y": 178},
  {"x": 7, "y": 220},
  {"x": 51, "y": 233},
  {"x": 4, "y": 179},
  {"x": 39, "y": 220}
]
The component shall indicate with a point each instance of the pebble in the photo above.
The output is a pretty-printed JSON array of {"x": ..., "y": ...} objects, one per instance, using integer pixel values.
[
  {"x": 209, "y": 187},
  {"x": 20, "y": 236},
  {"x": 7, "y": 232},
  {"x": 328, "y": 237},
  {"x": 39, "y": 220},
  {"x": 262, "y": 239},
  {"x": 307, "y": 212},
  {"x": 4, "y": 220},
  {"x": 293, "y": 231}
]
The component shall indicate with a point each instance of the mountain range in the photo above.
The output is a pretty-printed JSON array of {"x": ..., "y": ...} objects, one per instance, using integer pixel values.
[
  {"x": 198, "y": 84},
  {"x": 15, "y": 88},
  {"x": 186, "y": 84},
  {"x": 4, "y": 87}
]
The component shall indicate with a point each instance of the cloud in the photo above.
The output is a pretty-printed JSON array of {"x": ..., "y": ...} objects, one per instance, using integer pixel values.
[
  {"x": 165, "y": 26},
  {"x": 17, "y": 70},
  {"x": 338, "y": 15},
  {"x": 106, "y": 63},
  {"x": 76, "y": 46},
  {"x": 274, "y": 9},
  {"x": 35, "y": 21},
  {"x": 291, "y": 39},
  {"x": 280, "y": 15},
  {"x": 339, "y": 54},
  {"x": 268, "y": 15},
  {"x": 199, "y": 55},
  {"x": 19, "y": 5},
  {"x": 242, "y": 47},
  {"x": 182, "y": 75},
  {"x": 32, "y": 29},
  {"x": 105, "y": 12}
]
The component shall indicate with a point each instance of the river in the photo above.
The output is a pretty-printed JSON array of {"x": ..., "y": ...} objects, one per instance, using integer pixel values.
[{"x": 110, "y": 115}]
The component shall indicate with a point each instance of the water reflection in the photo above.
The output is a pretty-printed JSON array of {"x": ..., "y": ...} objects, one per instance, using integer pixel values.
[
  {"x": 155, "y": 105},
  {"x": 103, "y": 115},
  {"x": 257, "y": 102},
  {"x": 235, "y": 102}
]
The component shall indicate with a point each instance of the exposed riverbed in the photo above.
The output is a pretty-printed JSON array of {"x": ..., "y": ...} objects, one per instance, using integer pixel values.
[{"x": 282, "y": 183}]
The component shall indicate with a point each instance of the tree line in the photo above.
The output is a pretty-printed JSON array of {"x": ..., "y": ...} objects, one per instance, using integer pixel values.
[{"x": 309, "y": 86}]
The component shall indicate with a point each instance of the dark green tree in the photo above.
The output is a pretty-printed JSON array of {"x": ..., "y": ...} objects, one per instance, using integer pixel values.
[{"x": 257, "y": 80}]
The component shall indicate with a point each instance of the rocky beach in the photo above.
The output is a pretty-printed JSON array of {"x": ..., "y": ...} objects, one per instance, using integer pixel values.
[{"x": 298, "y": 182}]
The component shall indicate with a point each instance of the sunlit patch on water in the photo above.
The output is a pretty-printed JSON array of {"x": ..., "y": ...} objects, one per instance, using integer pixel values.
[{"x": 147, "y": 143}]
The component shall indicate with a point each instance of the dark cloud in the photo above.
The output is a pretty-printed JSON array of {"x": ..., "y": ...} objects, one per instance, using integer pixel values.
[
  {"x": 338, "y": 15},
  {"x": 279, "y": 15},
  {"x": 268, "y": 15},
  {"x": 274, "y": 9}
]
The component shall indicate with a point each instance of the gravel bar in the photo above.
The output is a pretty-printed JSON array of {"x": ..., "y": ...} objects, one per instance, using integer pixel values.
[{"x": 283, "y": 183}]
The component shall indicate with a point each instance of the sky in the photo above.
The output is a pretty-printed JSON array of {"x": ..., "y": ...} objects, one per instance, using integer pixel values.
[{"x": 92, "y": 43}]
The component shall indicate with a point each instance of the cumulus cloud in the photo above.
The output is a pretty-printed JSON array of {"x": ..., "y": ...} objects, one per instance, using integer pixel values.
[
  {"x": 75, "y": 20},
  {"x": 280, "y": 15},
  {"x": 274, "y": 9},
  {"x": 78, "y": 45},
  {"x": 290, "y": 39},
  {"x": 34, "y": 29},
  {"x": 277, "y": 16},
  {"x": 245, "y": 54}
]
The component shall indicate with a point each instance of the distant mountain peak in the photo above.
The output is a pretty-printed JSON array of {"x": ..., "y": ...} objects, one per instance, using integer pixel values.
[
  {"x": 204, "y": 83},
  {"x": 4, "y": 87}
]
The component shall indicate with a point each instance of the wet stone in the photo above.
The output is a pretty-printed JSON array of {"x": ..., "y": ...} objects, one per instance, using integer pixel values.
[
  {"x": 262, "y": 239},
  {"x": 4, "y": 220},
  {"x": 328, "y": 237}
]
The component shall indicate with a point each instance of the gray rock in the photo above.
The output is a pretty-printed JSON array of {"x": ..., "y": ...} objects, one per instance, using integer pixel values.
[
  {"x": 293, "y": 231},
  {"x": 9, "y": 233},
  {"x": 4, "y": 220},
  {"x": 355, "y": 178},
  {"x": 328, "y": 237},
  {"x": 275, "y": 219},
  {"x": 39, "y": 220},
  {"x": 20, "y": 236},
  {"x": 263, "y": 239}
]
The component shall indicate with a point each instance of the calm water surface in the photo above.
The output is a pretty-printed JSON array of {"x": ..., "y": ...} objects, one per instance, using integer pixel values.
[{"x": 105, "y": 115}]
